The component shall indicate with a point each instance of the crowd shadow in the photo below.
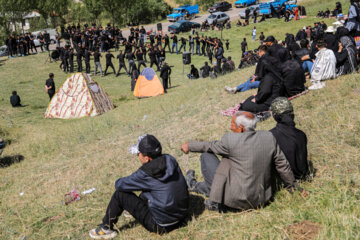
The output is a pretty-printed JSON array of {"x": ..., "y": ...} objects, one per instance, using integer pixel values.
[{"x": 7, "y": 161}]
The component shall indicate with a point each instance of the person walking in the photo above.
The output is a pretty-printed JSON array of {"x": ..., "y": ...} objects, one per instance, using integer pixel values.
[
  {"x": 254, "y": 34},
  {"x": 50, "y": 86}
]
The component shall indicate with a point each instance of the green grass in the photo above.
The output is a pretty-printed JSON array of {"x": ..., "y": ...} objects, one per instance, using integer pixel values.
[{"x": 60, "y": 155}]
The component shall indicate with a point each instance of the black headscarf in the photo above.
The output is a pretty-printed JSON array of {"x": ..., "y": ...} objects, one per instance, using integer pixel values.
[{"x": 292, "y": 142}]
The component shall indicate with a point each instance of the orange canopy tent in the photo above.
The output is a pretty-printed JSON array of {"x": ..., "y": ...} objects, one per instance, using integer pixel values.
[{"x": 148, "y": 84}]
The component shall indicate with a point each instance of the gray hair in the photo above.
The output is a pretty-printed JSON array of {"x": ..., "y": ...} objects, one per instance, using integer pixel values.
[{"x": 245, "y": 121}]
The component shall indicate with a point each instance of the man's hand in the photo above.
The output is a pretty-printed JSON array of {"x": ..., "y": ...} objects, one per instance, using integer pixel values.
[
  {"x": 185, "y": 148},
  {"x": 253, "y": 100}
]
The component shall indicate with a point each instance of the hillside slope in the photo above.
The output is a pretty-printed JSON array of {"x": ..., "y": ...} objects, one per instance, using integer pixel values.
[{"x": 61, "y": 155}]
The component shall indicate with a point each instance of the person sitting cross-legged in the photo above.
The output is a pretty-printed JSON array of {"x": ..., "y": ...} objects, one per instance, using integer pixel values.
[
  {"x": 15, "y": 100},
  {"x": 292, "y": 141},
  {"x": 194, "y": 73},
  {"x": 164, "y": 199},
  {"x": 243, "y": 179}
]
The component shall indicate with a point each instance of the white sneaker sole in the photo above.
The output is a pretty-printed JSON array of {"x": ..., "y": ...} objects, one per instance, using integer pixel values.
[{"x": 109, "y": 236}]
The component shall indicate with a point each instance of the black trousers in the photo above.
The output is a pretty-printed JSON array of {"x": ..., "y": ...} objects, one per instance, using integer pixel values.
[
  {"x": 167, "y": 45},
  {"x": 51, "y": 94},
  {"x": 87, "y": 66},
  {"x": 136, "y": 206},
  {"x": 66, "y": 65},
  {"x": 152, "y": 62},
  {"x": 252, "y": 107},
  {"x": 141, "y": 62},
  {"x": 79, "y": 63},
  {"x": 165, "y": 83},
  {"x": 122, "y": 65},
  {"x": 71, "y": 66},
  {"x": 109, "y": 65},
  {"x": 209, "y": 164}
]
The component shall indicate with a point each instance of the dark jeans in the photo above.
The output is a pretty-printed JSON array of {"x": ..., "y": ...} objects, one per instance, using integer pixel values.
[
  {"x": 209, "y": 164},
  {"x": 136, "y": 206},
  {"x": 51, "y": 94},
  {"x": 87, "y": 66}
]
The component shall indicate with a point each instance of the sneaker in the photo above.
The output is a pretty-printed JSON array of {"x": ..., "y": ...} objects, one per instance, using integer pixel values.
[
  {"x": 230, "y": 90},
  {"x": 210, "y": 205},
  {"x": 316, "y": 86},
  {"x": 102, "y": 232},
  {"x": 190, "y": 180}
]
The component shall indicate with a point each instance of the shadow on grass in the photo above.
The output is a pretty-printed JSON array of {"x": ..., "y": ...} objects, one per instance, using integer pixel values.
[{"x": 7, "y": 161}]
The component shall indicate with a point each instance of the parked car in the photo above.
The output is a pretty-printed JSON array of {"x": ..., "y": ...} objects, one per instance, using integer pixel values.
[
  {"x": 52, "y": 33},
  {"x": 182, "y": 26},
  {"x": 265, "y": 8},
  {"x": 220, "y": 6},
  {"x": 219, "y": 16},
  {"x": 252, "y": 9},
  {"x": 184, "y": 12},
  {"x": 3, "y": 51},
  {"x": 245, "y": 3}
]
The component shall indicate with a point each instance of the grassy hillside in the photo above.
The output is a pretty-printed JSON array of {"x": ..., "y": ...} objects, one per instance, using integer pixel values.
[{"x": 60, "y": 155}]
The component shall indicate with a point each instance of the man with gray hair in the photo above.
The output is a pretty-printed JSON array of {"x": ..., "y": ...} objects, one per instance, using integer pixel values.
[{"x": 243, "y": 179}]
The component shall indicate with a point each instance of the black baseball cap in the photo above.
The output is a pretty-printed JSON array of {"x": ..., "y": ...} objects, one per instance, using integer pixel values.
[
  {"x": 147, "y": 144},
  {"x": 270, "y": 39}
]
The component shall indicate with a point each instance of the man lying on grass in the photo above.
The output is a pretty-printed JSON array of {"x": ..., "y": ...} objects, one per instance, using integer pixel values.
[
  {"x": 164, "y": 199},
  {"x": 243, "y": 179}
]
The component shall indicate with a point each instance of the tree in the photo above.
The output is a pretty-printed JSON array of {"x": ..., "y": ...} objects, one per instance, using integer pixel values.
[
  {"x": 53, "y": 9},
  {"x": 94, "y": 7}
]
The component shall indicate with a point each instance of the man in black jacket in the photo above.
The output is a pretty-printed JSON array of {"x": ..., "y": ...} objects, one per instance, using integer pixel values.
[
  {"x": 15, "y": 100},
  {"x": 165, "y": 74},
  {"x": 274, "y": 48},
  {"x": 122, "y": 64},
  {"x": 109, "y": 63},
  {"x": 205, "y": 70},
  {"x": 194, "y": 73},
  {"x": 164, "y": 199},
  {"x": 50, "y": 86}
]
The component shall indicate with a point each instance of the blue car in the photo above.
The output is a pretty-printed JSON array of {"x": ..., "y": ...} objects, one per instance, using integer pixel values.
[
  {"x": 184, "y": 12},
  {"x": 245, "y": 3}
]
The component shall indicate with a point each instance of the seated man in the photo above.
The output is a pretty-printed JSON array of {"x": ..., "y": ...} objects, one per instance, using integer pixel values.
[
  {"x": 164, "y": 200},
  {"x": 324, "y": 66},
  {"x": 269, "y": 88},
  {"x": 291, "y": 140},
  {"x": 243, "y": 178},
  {"x": 15, "y": 100},
  {"x": 205, "y": 70},
  {"x": 254, "y": 80},
  {"x": 226, "y": 68},
  {"x": 231, "y": 63},
  {"x": 194, "y": 73}
]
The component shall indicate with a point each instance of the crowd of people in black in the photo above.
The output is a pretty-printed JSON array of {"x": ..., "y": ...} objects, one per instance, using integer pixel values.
[{"x": 21, "y": 45}]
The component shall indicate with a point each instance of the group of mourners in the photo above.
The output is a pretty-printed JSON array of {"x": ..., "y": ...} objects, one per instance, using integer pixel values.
[
  {"x": 21, "y": 45},
  {"x": 327, "y": 14},
  {"x": 283, "y": 66},
  {"x": 245, "y": 178}
]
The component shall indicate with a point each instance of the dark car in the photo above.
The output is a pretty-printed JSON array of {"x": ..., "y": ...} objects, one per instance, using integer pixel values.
[
  {"x": 220, "y": 7},
  {"x": 183, "y": 26}
]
